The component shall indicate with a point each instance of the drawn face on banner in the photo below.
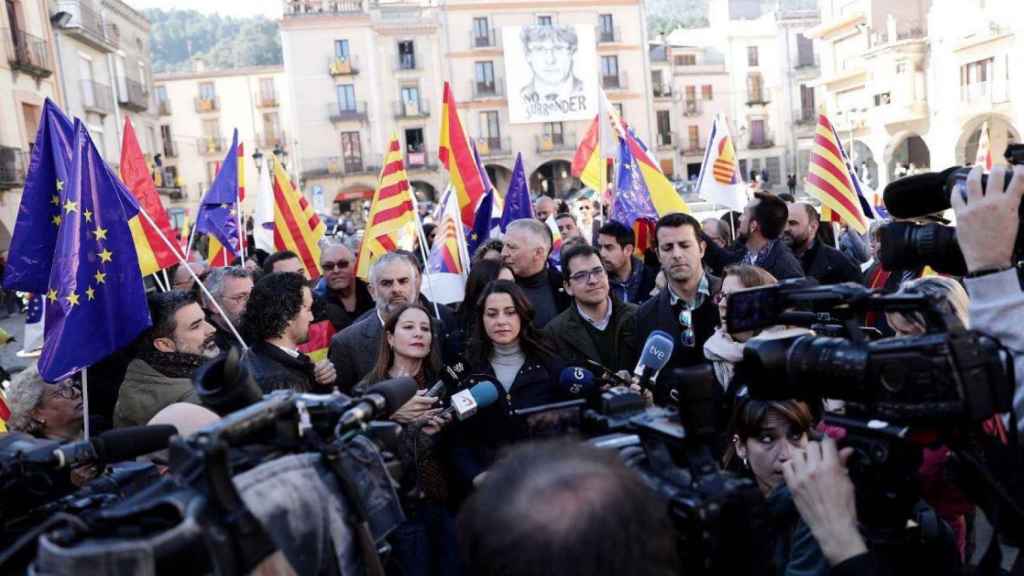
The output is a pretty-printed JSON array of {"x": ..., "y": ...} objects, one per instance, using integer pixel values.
[{"x": 551, "y": 73}]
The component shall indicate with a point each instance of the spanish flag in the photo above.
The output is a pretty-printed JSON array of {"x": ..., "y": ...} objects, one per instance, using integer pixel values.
[
  {"x": 296, "y": 226},
  {"x": 829, "y": 179},
  {"x": 218, "y": 256},
  {"x": 392, "y": 221},
  {"x": 457, "y": 157},
  {"x": 154, "y": 253}
]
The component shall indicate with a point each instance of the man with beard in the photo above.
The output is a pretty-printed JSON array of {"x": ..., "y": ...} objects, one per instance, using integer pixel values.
[
  {"x": 346, "y": 297},
  {"x": 166, "y": 356},
  {"x": 630, "y": 279},
  {"x": 394, "y": 281},
  {"x": 686, "y": 309},
  {"x": 819, "y": 261},
  {"x": 761, "y": 226},
  {"x": 230, "y": 287},
  {"x": 596, "y": 326},
  {"x": 277, "y": 317}
]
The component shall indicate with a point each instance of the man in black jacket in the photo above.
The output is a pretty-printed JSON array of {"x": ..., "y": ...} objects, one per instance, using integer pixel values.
[
  {"x": 819, "y": 261},
  {"x": 686, "y": 308},
  {"x": 278, "y": 316},
  {"x": 527, "y": 245},
  {"x": 630, "y": 280},
  {"x": 596, "y": 326},
  {"x": 758, "y": 241}
]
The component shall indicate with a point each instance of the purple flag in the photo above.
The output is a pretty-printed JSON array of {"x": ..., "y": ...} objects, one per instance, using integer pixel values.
[
  {"x": 632, "y": 199},
  {"x": 517, "y": 199}
]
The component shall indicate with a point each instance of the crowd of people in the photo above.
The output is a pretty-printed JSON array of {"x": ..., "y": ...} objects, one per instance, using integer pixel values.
[{"x": 527, "y": 314}]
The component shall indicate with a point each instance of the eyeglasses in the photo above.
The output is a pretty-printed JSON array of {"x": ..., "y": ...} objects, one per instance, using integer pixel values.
[
  {"x": 586, "y": 275},
  {"x": 239, "y": 298},
  {"x": 686, "y": 336},
  {"x": 66, "y": 391},
  {"x": 341, "y": 264}
]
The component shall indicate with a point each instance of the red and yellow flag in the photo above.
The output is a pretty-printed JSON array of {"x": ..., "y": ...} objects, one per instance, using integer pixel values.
[
  {"x": 392, "y": 221},
  {"x": 296, "y": 225},
  {"x": 457, "y": 157},
  {"x": 154, "y": 253},
  {"x": 829, "y": 180}
]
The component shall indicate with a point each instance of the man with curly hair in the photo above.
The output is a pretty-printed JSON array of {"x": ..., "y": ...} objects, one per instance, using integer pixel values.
[{"x": 277, "y": 320}]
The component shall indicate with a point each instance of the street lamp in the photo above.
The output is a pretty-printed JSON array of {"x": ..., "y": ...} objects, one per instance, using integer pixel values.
[
  {"x": 257, "y": 157},
  {"x": 281, "y": 154}
]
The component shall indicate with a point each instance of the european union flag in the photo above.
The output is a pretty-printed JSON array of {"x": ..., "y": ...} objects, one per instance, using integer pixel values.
[
  {"x": 218, "y": 210},
  {"x": 517, "y": 198},
  {"x": 632, "y": 199},
  {"x": 483, "y": 223},
  {"x": 39, "y": 216},
  {"x": 95, "y": 299}
]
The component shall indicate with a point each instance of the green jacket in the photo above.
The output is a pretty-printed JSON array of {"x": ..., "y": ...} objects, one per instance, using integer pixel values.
[
  {"x": 567, "y": 334},
  {"x": 145, "y": 392}
]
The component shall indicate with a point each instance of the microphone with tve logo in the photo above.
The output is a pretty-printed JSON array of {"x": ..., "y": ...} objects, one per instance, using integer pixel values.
[{"x": 656, "y": 354}]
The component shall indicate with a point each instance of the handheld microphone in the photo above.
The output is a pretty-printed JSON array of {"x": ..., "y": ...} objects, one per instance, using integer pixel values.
[
  {"x": 112, "y": 446},
  {"x": 380, "y": 401},
  {"x": 605, "y": 374},
  {"x": 575, "y": 382},
  {"x": 466, "y": 403},
  {"x": 450, "y": 378},
  {"x": 656, "y": 354}
]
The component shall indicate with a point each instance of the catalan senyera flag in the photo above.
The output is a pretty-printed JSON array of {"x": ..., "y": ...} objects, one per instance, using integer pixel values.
[
  {"x": 392, "y": 221},
  {"x": 829, "y": 180},
  {"x": 456, "y": 155},
  {"x": 154, "y": 253},
  {"x": 296, "y": 225}
]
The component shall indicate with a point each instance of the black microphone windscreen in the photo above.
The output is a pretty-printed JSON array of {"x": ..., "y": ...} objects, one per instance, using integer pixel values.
[
  {"x": 130, "y": 443},
  {"x": 396, "y": 392},
  {"x": 918, "y": 195}
]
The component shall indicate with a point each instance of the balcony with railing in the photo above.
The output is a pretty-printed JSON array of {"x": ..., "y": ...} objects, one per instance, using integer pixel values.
[
  {"x": 757, "y": 98},
  {"x": 556, "y": 143},
  {"x": 207, "y": 145},
  {"x": 132, "y": 94},
  {"x": 805, "y": 117},
  {"x": 87, "y": 24},
  {"x": 310, "y": 8},
  {"x": 618, "y": 81},
  {"x": 422, "y": 159},
  {"x": 27, "y": 53},
  {"x": 168, "y": 183},
  {"x": 341, "y": 166},
  {"x": 608, "y": 35},
  {"x": 347, "y": 111},
  {"x": 692, "y": 107},
  {"x": 267, "y": 99},
  {"x": 207, "y": 104},
  {"x": 169, "y": 148},
  {"x": 760, "y": 141},
  {"x": 272, "y": 139},
  {"x": 410, "y": 108},
  {"x": 489, "y": 39},
  {"x": 13, "y": 164},
  {"x": 694, "y": 147},
  {"x": 666, "y": 140},
  {"x": 338, "y": 66},
  {"x": 97, "y": 97},
  {"x": 408, "y": 62},
  {"x": 493, "y": 147},
  {"x": 661, "y": 89},
  {"x": 487, "y": 90},
  {"x": 163, "y": 107}
]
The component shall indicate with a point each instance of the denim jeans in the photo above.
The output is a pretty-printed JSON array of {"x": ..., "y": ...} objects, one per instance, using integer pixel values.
[{"x": 424, "y": 545}]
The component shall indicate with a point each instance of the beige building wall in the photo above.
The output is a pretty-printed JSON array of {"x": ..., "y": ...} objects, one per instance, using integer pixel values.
[
  {"x": 28, "y": 75},
  {"x": 446, "y": 49},
  {"x": 198, "y": 112},
  {"x": 133, "y": 77}
]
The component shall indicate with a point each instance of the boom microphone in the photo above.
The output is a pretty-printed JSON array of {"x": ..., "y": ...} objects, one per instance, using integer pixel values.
[
  {"x": 577, "y": 382},
  {"x": 466, "y": 402},
  {"x": 920, "y": 194},
  {"x": 380, "y": 401},
  {"x": 113, "y": 446},
  {"x": 657, "y": 352}
]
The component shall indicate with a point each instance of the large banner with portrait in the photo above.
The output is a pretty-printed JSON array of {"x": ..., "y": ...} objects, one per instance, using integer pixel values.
[{"x": 551, "y": 73}]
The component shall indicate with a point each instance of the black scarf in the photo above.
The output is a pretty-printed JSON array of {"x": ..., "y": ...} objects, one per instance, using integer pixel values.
[{"x": 172, "y": 364}]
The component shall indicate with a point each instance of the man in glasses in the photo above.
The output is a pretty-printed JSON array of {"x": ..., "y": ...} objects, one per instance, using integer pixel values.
[
  {"x": 686, "y": 308},
  {"x": 345, "y": 296},
  {"x": 230, "y": 287},
  {"x": 595, "y": 326}
]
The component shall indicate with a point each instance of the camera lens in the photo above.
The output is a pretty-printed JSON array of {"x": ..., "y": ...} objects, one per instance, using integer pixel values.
[
  {"x": 828, "y": 367},
  {"x": 910, "y": 246}
]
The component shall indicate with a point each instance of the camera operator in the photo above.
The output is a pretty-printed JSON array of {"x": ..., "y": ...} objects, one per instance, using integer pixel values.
[
  {"x": 987, "y": 226},
  {"x": 765, "y": 436},
  {"x": 567, "y": 509}
]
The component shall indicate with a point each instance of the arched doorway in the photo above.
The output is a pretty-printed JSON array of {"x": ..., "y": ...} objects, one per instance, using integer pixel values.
[
  {"x": 864, "y": 163},
  {"x": 1000, "y": 133},
  {"x": 907, "y": 154},
  {"x": 554, "y": 178},
  {"x": 500, "y": 177},
  {"x": 425, "y": 191},
  {"x": 350, "y": 200}
]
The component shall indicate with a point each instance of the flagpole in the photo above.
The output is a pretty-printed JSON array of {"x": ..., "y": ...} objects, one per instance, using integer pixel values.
[
  {"x": 167, "y": 280},
  {"x": 241, "y": 232},
  {"x": 192, "y": 273},
  {"x": 191, "y": 235},
  {"x": 423, "y": 252},
  {"x": 85, "y": 400},
  {"x": 159, "y": 284}
]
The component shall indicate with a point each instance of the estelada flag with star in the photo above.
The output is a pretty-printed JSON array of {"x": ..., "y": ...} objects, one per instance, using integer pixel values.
[
  {"x": 95, "y": 298},
  {"x": 218, "y": 211}
]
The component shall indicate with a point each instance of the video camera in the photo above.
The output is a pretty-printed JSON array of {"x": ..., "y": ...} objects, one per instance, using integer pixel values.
[{"x": 910, "y": 246}]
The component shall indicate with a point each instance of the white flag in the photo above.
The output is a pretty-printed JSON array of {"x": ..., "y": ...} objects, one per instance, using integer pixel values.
[
  {"x": 720, "y": 181},
  {"x": 263, "y": 226}
]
